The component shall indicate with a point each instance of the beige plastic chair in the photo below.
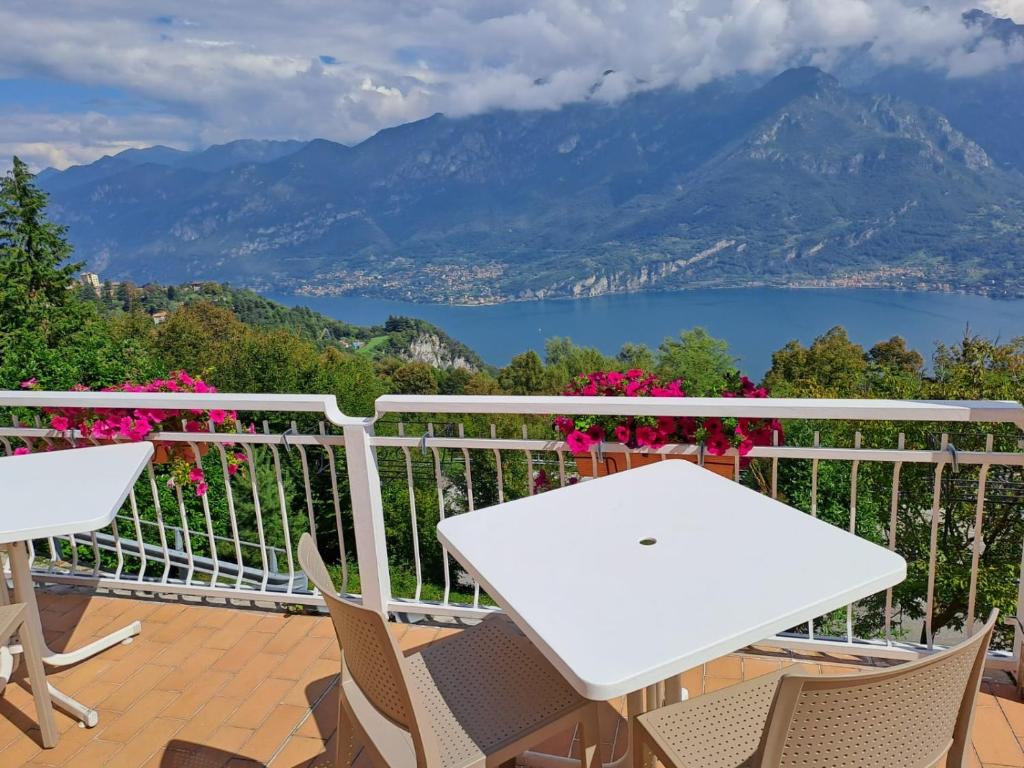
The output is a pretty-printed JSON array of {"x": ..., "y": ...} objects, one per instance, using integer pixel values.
[
  {"x": 12, "y": 619},
  {"x": 908, "y": 716},
  {"x": 478, "y": 698}
]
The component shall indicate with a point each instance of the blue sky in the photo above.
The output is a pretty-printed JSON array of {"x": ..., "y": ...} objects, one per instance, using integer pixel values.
[{"x": 84, "y": 78}]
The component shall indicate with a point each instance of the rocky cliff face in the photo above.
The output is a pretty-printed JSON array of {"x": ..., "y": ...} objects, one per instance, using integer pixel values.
[{"x": 430, "y": 348}]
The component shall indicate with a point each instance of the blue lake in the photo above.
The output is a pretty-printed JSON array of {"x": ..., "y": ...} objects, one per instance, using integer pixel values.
[{"x": 755, "y": 321}]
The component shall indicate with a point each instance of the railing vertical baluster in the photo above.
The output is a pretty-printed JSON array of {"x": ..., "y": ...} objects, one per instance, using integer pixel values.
[
  {"x": 159, "y": 524},
  {"x": 814, "y": 476},
  {"x": 979, "y": 537},
  {"x": 561, "y": 468},
  {"x": 854, "y": 471},
  {"x": 286, "y": 532},
  {"x": 441, "y": 515},
  {"x": 307, "y": 487},
  {"x": 336, "y": 500},
  {"x": 250, "y": 454},
  {"x": 894, "y": 505},
  {"x": 468, "y": 473},
  {"x": 229, "y": 497},
  {"x": 205, "y": 502},
  {"x": 531, "y": 489},
  {"x": 498, "y": 470},
  {"x": 413, "y": 517},
  {"x": 186, "y": 533},
  {"x": 933, "y": 544},
  {"x": 143, "y": 561},
  {"x": 775, "y": 466}
]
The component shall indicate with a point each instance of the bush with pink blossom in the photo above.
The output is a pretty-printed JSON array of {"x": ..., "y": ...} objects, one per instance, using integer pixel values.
[
  {"x": 89, "y": 426},
  {"x": 718, "y": 435}
]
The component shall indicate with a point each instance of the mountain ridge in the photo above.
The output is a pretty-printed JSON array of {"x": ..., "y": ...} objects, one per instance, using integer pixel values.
[{"x": 800, "y": 181}]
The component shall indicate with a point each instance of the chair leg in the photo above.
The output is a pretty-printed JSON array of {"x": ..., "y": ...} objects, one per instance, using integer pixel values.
[
  {"x": 639, "y": 746},
  {"x": 40, "y": 690},
  {"x": 346, "y": 742},
  {"x": 590, "y": 739}
]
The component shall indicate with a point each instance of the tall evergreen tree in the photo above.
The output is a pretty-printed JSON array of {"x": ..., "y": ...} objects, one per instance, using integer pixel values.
[{"x": 33, "y": 252}]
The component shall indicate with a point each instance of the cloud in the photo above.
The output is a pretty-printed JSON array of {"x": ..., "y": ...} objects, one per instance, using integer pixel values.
[{"x": 211, "y": 72}]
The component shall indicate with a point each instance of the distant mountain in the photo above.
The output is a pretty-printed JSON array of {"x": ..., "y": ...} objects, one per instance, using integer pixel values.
[
  {"x": 797, "y": 182},
  {"x": 215, "y": 158}
]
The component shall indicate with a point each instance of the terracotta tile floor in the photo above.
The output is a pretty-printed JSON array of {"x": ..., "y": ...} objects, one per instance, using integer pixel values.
[{"x": 207, "y": 686}]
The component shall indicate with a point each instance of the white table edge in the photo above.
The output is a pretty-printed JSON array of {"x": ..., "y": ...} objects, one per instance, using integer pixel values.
[
  {"x": 85, "y": 526},
  {"x": 611, "y": 689}
]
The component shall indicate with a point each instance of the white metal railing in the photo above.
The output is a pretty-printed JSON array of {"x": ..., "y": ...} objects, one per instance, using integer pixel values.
[
  {"x": 167, "y": 540},
  {"x": 554, "y": 455},
  {"x": 239, "y": 539}
]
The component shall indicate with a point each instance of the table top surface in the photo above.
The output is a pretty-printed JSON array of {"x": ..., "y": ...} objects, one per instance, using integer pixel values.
[
  {"x": 727, "y": 567},
  {"x": 71, "y": 491}
]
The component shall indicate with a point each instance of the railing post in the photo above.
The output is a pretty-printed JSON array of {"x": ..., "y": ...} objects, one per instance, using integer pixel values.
[{"x": 367, "y": 516}]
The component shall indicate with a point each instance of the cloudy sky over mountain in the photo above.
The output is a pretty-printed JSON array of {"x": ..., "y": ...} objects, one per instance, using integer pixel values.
[{"x": 82, "y": 79}]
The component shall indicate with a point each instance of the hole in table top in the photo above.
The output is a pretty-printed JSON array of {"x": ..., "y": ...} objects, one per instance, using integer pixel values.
[{"x": 648, "y": 541}]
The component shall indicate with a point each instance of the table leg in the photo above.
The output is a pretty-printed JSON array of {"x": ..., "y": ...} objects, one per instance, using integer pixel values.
[
  {"x": 24, "y": 592},
  {"x": 668, "y": 692}
]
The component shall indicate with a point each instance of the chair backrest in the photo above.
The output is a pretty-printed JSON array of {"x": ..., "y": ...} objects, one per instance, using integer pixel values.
[
  {"x": 908, "y": 715},
  {"x": 371, "y": 658}
]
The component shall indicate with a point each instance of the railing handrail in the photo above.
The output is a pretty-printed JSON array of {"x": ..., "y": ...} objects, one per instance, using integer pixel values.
[
  {"x": 992, "y": 411},
  {"x": 325, "y": 404}
]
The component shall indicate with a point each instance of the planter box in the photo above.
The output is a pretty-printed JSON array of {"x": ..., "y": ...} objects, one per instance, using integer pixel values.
[
  {"x": 724, "y": 466},
  {"x": 161, "y": 454}
]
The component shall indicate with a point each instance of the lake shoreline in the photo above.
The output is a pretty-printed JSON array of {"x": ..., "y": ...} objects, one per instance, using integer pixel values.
[
  {"x": 525, "y": 300},
  {"x": 755, "y": 321}
]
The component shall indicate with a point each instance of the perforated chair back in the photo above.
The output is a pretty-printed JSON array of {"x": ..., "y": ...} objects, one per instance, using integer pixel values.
[
  {"x": 371, "y": 658},
  {"x": 907, "y": 716}
]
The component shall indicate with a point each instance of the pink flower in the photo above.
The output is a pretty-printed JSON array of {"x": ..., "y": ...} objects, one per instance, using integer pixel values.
[
  {"x": 185, "y": 379},
  {"x": 201, "y": 489},
  {"x": 614, "y": 378},
  {"x": 622, "y": 433},
  {"x": 634, "y": 373},
  {"x": 745, "y": 446},
  {"x": 241, "y": 456},
  {"x": 29, "y": 383},
  {"x": 717, "y": 444},
  {"x": 579, "y": 442},
  {"x": 646, "y": 436},
  {"x": 634, "y": 387},
  {"x": 21, "y": 451},
  {"x": 713, "y": 425},
  {"x": 217, "y": 416},
  {"x": 232, "y": 469},
  {"x": 596, "y": 433},
  {"x": 193, "y": 426},
  {"x": 666, "y": 424},
  {"x": 60, "y": 423},
  {"x": 564, "y": 424},
  {"x": 195, "y": 475}
]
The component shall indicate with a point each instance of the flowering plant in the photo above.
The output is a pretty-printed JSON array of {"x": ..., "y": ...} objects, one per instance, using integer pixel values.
[
  {"x": 136, "y": 424},
  {"x": 717, "y": 434}
]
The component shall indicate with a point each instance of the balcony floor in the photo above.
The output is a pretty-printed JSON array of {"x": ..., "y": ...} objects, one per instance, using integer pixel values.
[{"x": 207, "y": 686}]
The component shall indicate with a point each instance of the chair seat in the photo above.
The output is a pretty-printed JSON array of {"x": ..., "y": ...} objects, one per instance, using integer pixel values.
[
  {"x": 717, "y": 730},
  {"x": 486, "y": 688}
]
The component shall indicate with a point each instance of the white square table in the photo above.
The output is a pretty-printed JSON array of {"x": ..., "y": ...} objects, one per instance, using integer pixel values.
[
  {"x": 58, "y": 493},
  {"x": 629, "y": 580}
]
